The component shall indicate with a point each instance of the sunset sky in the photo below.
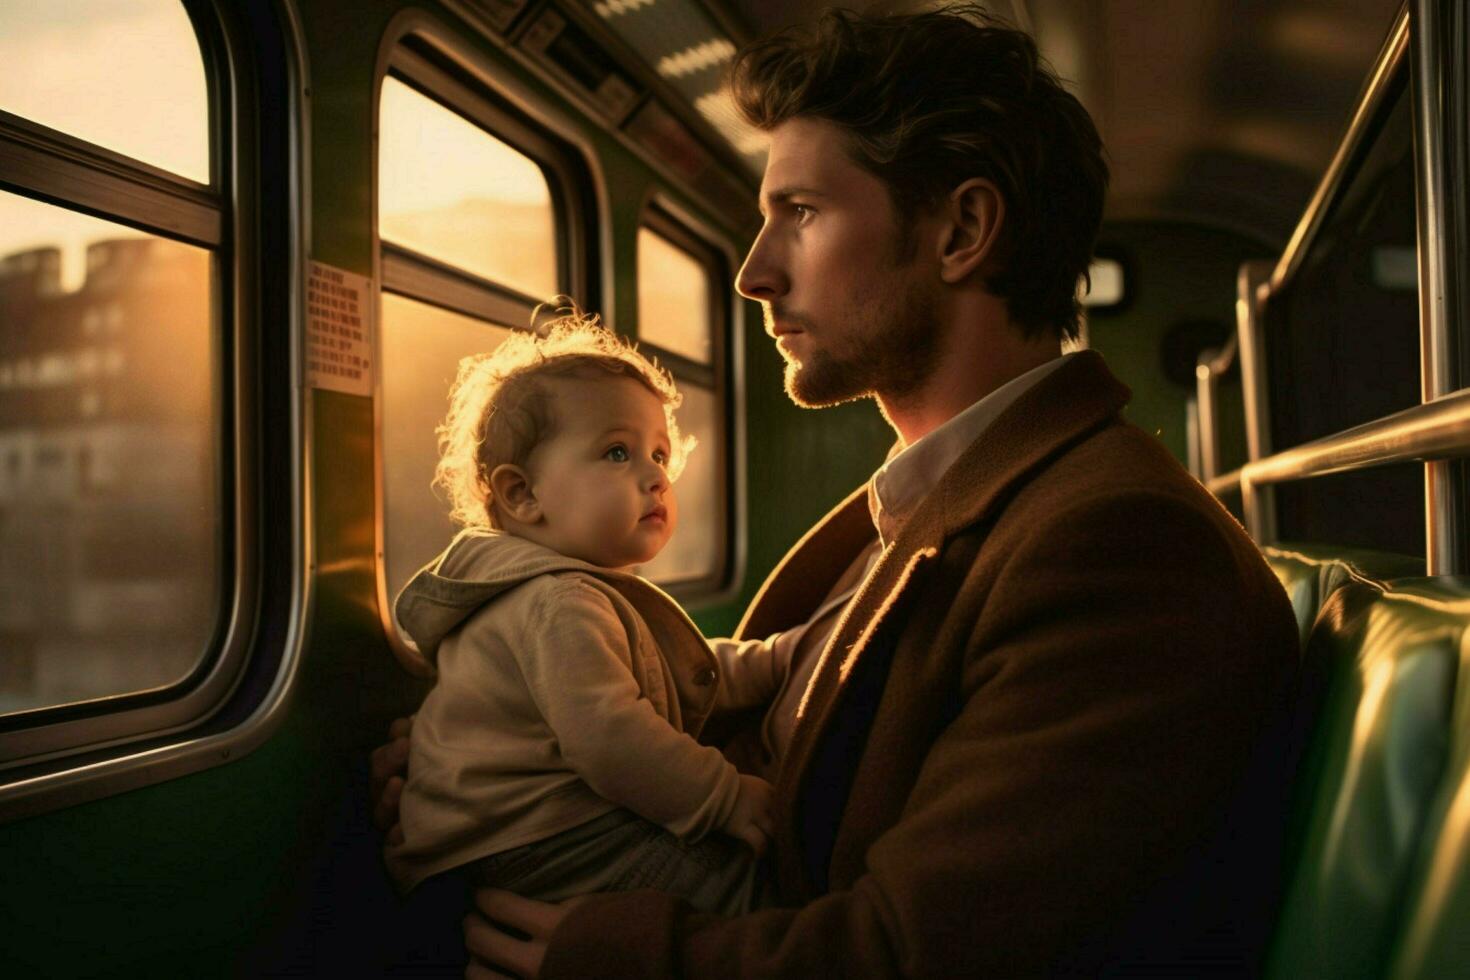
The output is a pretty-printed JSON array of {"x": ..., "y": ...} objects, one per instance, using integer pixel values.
[
  {"x": 124, "y": 74},
  {"x": 452, "y": 190}
]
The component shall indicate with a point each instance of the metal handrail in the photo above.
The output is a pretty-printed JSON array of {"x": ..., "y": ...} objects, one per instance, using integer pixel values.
[
  {"x": 1251, "y": 287},
  {"x": 1208, "y": 371},
  {"x": 1436, "y": 430},
  {"x": 1250, "y": 298},
  {"x": 1379, "y": 81},
  {"x": 1225, "y": 483},
  {"x": 1432, "y": 431}
]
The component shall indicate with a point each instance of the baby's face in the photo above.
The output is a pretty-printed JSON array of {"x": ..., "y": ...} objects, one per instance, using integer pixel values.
[{"x": 602, "y": 480}]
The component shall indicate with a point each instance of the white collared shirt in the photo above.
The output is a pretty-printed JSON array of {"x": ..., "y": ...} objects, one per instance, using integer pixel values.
[{"x": 912, "y": 471}]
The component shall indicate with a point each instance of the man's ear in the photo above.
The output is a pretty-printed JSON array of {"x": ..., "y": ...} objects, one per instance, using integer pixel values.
[
  {"x": 975, "y": 212},
  {"x": 510, "y": 491}
]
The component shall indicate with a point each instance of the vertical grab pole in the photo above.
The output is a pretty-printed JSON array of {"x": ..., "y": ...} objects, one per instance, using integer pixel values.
[
  {"x": 1437, "y": 51},
  {"x": 1251, "y": 288},
  {"x": 1210, "y": 368}
]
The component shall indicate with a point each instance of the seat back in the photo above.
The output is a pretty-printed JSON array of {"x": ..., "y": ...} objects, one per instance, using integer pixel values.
[
  {"x": 1435, "y": 941},
  {"x": 1369, "y": 808},
  {"x": 1311, "y": 573}
]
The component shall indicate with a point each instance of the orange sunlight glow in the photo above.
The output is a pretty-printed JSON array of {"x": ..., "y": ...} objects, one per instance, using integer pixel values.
[
  {"x": 673, "y": 298},
  {"x": 452, "y": 191},
  {"x": 123, "y": 74}
]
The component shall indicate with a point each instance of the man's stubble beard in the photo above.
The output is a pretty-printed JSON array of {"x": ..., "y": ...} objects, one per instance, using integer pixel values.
[{"x": 894, "y": 356}]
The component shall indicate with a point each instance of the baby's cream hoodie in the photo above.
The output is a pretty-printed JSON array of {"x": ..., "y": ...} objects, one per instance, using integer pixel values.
[{"x": 564, "y": 691}]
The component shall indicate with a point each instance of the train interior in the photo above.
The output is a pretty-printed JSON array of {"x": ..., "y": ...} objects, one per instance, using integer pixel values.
[{"x": 244, "y": 245}]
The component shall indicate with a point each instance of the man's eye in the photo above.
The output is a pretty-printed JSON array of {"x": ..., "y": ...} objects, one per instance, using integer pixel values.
[
  {"x": 802, "y": 211},
  {"x": 618, "y": 454}
]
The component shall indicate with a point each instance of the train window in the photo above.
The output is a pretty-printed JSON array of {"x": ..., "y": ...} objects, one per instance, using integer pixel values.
[
  {"x": 673, "y": 298},
  {"x": 93, "y": 69},
  {"x": 1380, "y": 509},
  {"x": 112, "y": 507},
  {"x": 1343, "y": 335},
  {"x": 1343, "y": 348},
  {"x": 452, "y": 191},
  {"x": 133, "y": 476},
  {"x": 109, "y": 552},
  {"x": 681, "y": 320},
  {"x": 479, "y": 219},
  {"x": 424, "y": 347},
  {"x": 1104, "y": 285}
]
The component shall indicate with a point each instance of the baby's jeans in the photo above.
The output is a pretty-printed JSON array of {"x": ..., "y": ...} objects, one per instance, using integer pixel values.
[{"x": 620, "y": 851}]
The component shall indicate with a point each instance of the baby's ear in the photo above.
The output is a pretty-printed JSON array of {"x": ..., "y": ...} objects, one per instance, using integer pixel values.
[{"x": 510, "y": 490}]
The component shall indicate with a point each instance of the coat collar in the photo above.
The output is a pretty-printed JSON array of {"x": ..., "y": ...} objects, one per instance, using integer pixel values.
[
  {"x": 1076, "y": 399},
  {"x": 912, "y": 471}
]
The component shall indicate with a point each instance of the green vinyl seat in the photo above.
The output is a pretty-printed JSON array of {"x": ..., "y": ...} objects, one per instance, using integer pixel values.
[
  {"x": 1435, "y": 938},
  {"x": 1311, "y": 573},
  {"x": 1373, "y": 828},
  {"x": 1435, "y": 941}
]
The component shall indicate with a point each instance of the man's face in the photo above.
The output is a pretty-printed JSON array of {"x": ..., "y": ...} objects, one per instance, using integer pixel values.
[{"x": 850, "y": 315}]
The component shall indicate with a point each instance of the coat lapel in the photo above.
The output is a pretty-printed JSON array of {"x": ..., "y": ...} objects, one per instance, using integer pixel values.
[
  {"x": 1075, "y": 400},
  {"x": 799, "y": 584},
  {"x": 1064, "y": 408}
]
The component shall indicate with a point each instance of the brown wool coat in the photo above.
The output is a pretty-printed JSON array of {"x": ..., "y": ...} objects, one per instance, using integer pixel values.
[{"x": 1023, "y": 750}]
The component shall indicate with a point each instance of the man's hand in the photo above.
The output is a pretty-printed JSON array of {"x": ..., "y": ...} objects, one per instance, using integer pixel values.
[
  {"x": 493, "y": 950},
  {"x": 751, "y": 821},
  {"x": 388, "y": 768}
]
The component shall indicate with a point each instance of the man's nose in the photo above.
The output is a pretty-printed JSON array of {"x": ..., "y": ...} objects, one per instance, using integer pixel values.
[{"x": 762, "y": 276}]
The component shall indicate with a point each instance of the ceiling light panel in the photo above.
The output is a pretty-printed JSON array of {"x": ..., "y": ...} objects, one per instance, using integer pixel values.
[{"x": 680, "y": 42}]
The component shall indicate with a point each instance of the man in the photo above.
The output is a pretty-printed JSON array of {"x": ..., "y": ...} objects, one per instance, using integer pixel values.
[{"x": 1035, "y": 666}]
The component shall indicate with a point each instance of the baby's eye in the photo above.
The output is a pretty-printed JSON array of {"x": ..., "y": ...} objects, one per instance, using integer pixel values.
[
  {"x": 661, "y": 457},
  {"x": 618, "y": 454}
]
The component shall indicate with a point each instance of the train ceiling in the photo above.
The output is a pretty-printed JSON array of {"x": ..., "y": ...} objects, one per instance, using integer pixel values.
[{"x": 1226, "y": 110}]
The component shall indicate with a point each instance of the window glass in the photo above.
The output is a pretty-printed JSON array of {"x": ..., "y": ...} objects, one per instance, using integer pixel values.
[
  {"x": 110, "y": 501},
  {"x": 422, "y": 346},
  {"x": 1343, "y": 349},
  {"x": 95, "y": 69},
  {"x": 698, "y": 542},
  {"x": 1343, "y": 336},
  {"x": 1106, "y": 283},
  {"x": 451, "y": 191},
  {"x": 1348, "y": 510},
  {"x": 673, "y": 298}
]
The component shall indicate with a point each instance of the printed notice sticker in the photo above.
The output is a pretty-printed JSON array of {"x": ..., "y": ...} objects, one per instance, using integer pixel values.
[{"x": 339, "y": 330}]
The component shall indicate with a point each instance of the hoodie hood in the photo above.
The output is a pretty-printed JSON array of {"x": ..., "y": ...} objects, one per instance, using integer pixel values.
[{"x": 478, "y": 566}]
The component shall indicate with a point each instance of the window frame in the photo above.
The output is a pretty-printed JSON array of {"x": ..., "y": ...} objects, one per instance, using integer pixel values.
[
  {"x": 417, "y": 276},
  {"x": 663, "y": 218},
  {"x": 441, "y": 65},
  {"x": 234, "y": 698}
]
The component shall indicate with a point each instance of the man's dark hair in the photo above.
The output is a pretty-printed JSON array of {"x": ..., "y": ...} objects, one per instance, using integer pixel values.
[{"x": 931, "y": 100}]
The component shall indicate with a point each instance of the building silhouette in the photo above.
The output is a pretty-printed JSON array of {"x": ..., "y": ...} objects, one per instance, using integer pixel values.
[{"x": 110, "y": 458}]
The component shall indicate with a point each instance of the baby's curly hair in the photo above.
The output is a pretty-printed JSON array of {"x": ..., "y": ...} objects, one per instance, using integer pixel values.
[{"x": 499, "y": 412}]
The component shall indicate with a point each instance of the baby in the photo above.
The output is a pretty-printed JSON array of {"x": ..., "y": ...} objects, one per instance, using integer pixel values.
[{"x": 556, "y": 753}]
